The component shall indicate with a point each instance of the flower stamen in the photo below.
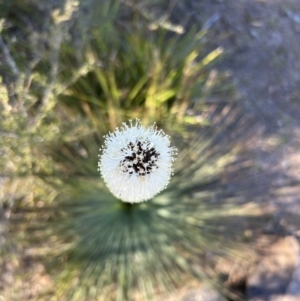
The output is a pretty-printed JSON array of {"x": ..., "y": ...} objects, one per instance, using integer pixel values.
[{"x": 141, "y": 161}]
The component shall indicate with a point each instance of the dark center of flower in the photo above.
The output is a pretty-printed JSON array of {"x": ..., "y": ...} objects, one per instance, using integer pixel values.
[{"x": 142, "y": 159}]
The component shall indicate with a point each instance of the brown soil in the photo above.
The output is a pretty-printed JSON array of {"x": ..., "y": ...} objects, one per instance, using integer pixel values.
[{"x": 262, "y": 41}]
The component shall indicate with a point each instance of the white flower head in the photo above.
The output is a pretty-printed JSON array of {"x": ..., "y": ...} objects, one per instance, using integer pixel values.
[{"x": 136, "y": 162}]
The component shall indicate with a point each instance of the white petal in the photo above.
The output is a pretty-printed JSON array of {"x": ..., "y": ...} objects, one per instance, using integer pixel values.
[{"x": 136, "y": 162}]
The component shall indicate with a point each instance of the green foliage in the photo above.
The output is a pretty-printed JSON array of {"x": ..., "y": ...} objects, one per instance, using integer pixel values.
[
  {"x": 131, "y": 72},
  {"x": 135, "y": 73}
]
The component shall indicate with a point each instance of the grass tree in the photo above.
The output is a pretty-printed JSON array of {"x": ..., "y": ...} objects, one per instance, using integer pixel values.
[{"x": 69, "y": 99}]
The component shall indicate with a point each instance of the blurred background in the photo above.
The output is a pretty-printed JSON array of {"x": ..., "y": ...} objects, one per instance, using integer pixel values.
[{"x": 221, "y": 78}]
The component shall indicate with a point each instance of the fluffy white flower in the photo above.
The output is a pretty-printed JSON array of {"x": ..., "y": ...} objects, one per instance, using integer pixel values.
[{"x": 136, "y": 162}]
